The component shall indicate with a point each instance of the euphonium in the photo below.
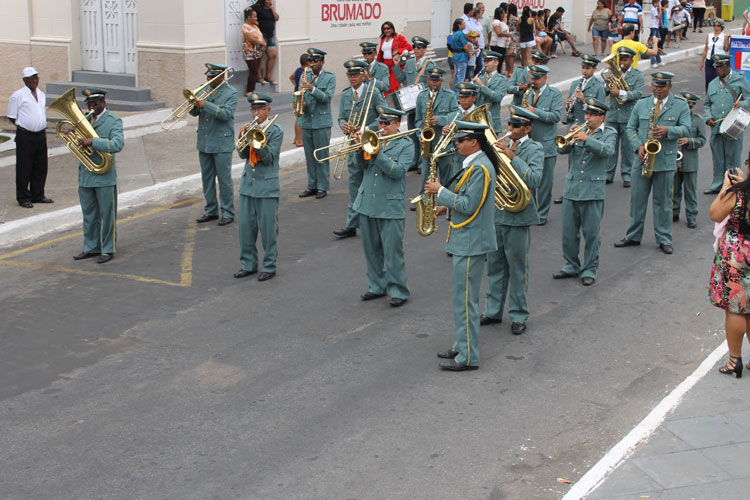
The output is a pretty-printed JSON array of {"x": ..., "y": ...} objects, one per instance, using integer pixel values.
[
  {"x": 652, "y": 145},
  {"x": 562, "y": 141},
  {"x": 617, "y": 80},
  {"x": 95, "y": 162},
  {"x": 192, "y": 96},
  {"x": 428, "y": 133}
]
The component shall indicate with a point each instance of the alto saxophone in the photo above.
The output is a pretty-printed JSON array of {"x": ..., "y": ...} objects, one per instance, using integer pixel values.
[
  {"x": 299, "y": 97},
  {"x": 428, "y": 133},
  {"x": 652, "y": 146},
  {"x": 526, "y": 95}
]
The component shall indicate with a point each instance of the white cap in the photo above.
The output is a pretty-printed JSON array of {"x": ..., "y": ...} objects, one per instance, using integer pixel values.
[{"x": 28, "y": 71}]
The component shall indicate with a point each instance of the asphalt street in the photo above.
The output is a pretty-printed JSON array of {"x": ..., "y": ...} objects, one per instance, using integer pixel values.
[{"x": 160, "y": 376}]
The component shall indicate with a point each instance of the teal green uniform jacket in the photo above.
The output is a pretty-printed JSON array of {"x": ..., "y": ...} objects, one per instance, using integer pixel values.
[
  {"x": 675, "y": 115},
  {"x": 528, "y": 163},
  {"x": 109, "y": 129},
  {"x": 408, "y": 76},
  {"x": 379, "y": 72},
  {"x": 620, "y": 113},
  {"x": 594, "y": 88},
  {"x": 318, "y": 102},
  {"x": 478, "y": 236},
  {"x": 587, "y": 165},
  {"x": 696, "y": 140},
  {"x": 492, "y": 93},
  {"x": 347, "y": 99},
  {"x": 382, "y": 194},
  {"x": 519, "y": 76},
  {"x": 216, "y": 121},
  {"x": 549, "y": 107},
  {"x": 719, "y": 100},
  {"x": 262, "y": 180},
  {"x": 444, "y": 107}
]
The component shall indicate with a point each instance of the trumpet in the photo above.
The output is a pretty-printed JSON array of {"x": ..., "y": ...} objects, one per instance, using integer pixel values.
[
  {"x": 254, "y": 136},
  {"x": 562, "y": 141},
  {"x": 192, "y": 96}
]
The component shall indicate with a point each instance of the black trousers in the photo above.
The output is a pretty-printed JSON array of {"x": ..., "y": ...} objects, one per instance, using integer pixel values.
[{"x": 31, "y": 165}]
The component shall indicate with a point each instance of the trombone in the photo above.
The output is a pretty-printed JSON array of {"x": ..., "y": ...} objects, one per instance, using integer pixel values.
[
  {"x": 254, "y": 136},
  {"x": 191, "y": 96},
  {"x": 370, "y": 141}
]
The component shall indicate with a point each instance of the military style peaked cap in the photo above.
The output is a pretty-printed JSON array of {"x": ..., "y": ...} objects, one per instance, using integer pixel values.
[
  {"x": 521, "y": 116},
  {"x": 595, "y": 106},
  {"x": 259, "y": 99},
  {"x": 467, "y": 89},
  {"x": 93, "y": 94}
]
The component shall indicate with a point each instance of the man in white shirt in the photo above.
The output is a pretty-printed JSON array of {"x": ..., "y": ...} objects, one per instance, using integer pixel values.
[{"x": 26, "y": 110}]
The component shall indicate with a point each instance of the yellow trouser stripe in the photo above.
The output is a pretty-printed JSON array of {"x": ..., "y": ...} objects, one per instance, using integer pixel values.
[{"x": 466, "y": 309}]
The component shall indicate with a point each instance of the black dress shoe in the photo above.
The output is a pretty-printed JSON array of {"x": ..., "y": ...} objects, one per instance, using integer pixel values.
[
  {"x": 485, "y": 320},
  {"x": 542, "y": 222},
  {"x": 320, "y": 194},
  {"x": 626, "y": 184},
  {"x": 85, "y": 255},
  {"x": 225, "y": 220},
  {"x": 345, "y": 232},
  {"x": 105, "y": 257},
  {"x": 610, "y": 181},
  {"x": 454, "y": 366},
  {"x": 308, "y": 192},
  {"x": 413, "y": 208},
  {"x": 557, "y": 201},
  {"x": 265, "y": 276},
  {"x": 710, "y": 191},
  {"x": 691, "y": 224},
  {"x": 449, "y": 354},
  {"x": 627, "y": 243},
  {"x": 26, "y": 204},
  {"x": 587, "y": 281},
  {"x": 675, "y": 218},
  {"x": 43, "y": 200},
  {"x": 242, "y": 273},
  {"x": 206, "y": 218},
  {"x": 517, "y": 327},
  {"x": 371, "y": 296},
  {"x": 397, "y": 302},
  {"x": 561, "y": 275},
  {"x": 666, "y": 248}
]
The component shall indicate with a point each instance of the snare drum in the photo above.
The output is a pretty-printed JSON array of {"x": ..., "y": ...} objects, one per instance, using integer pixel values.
[
  {"x": 405, "y": 99},
  {"x": 733, "y": 125}
]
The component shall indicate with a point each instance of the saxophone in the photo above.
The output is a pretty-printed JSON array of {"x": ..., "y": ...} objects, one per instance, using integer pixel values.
[
  {"x": 428, "y": 133},
  {"x": 526, "y": 95},
  {"x": 617, "y": 80},
  {"x": 652, "y": 146}
]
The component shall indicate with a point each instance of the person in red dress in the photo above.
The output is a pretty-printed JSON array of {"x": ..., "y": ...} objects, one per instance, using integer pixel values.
[{"x": 392, "y": 45}]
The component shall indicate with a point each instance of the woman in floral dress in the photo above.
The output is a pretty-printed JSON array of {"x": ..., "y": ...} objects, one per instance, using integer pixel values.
[{"x": 512, "y": 50}]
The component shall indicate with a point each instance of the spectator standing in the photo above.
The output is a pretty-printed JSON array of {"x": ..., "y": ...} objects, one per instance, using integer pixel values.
[
  {"x": 500, "y": 37},
  {"x": 267, "y": 17},
  {"x": 391, "y": 46},
  {"x": 471, "y": 37},
  {"x": 481, "y": 39},
  {"x": 746, "y": 22},
  {"x": 598, "y": 25},
  {"x": 654, "y": 32},
  {"x": 716, "y": 43},
  {"x": 688, "y": 8},
  {"x": 304, "y": 63},
  {"x": 26, "y": 110},
  {"x": 526, "y": 30},
  {"x": 461, "y": 49},
  {"x": 253, "y": 44},
  {"x": 614, "y": 31},
  {"x": 663, "y": 25},
  {"x": 680, "y": 22},
  {"x": 632, "y": 13},
  {"x": 512, "y": 52},
  {"x": 486, "y": 22},
  {"x": 699, "y": 10}
]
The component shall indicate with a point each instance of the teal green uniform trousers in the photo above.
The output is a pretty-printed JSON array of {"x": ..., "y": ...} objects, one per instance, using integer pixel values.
[
  {"x": 99, "y": 207},
  {"x": 383, "y": 243},
  {"x": 317, "y": 172},
  {"x": 581, "y": 217},
  {"x": 626, "y": 161},
  {"x": 467, "y": 279},
  {"x": 263, "y": 214},
  {"x": 217, "y": 166},
  {"x": 639, "y": 191},
  {"x": 411, "y": 119},
  {"x": 355, "y": 180},
  {"x": 543, "y": 194},
  {"x": 687, "y": 182},
  {"x": 508, "y": 267},
  {"x": 444, "y": 169},
  {"x": 726, "y": 153}
]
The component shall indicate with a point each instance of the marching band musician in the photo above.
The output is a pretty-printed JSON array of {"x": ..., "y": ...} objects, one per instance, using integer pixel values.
[
  {"x": 470, "y": 199},
  {"x": 546, "y": 103},
  {"x": 721, "y": 98},
  {"x": 259, "y": 194},
  {"x": 672, "y": 123},
  {"x": 444, "y": 108},
  {"x": 686, "y": 175},
  {"x": 519, "y": 80},
  {"x": 317, "y": 122},
  {"x": 467, "y": 98},
  {"x": 215, "y": 146},
  {"x": 618, "y": 115},
  {"x": 98, "y": 192},
  {"x": 492, "y": 87},
  {"x": 355, "y": 97},
  {"x": 508, "y": 266},
  {"x": 381, "y": 205},
  {"x": 585, "y": 188},
  {"x": 376, "y": 69}
]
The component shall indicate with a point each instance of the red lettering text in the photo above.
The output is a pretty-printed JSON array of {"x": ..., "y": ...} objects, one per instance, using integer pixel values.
[{"x": 355, "y": 12}]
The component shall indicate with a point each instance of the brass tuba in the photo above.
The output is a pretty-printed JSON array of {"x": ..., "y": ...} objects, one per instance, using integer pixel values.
[
  {"x": 191, "y": 96},
  {"x": 511, "y": 192},
  {"x": 617, "y": 80},
  {"x": 95, "y": 162}
]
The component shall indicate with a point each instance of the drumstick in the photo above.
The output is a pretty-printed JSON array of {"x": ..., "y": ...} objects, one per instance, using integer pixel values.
[{"x": 739, "y": 98}]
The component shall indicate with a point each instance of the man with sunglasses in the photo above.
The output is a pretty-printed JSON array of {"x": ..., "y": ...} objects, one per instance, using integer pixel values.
[
  {"x": 545, "y": 102},
  {"x": 686, "y": 175},
  {"x": 469, "y": 196},
  {"x": 508, "y": 266},
  {"x": 375, "y": 69},
  {"x": 585, "y": 188},
  {"x": 317, "y": 122},
  {"x": 519, "y": 80}
]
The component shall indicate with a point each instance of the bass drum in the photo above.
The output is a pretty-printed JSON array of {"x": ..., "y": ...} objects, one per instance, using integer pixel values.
[{"x": 734, "y": 123}]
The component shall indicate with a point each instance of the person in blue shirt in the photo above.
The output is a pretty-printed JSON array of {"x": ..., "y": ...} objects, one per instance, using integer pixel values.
[{"x": 461, "y": 48}]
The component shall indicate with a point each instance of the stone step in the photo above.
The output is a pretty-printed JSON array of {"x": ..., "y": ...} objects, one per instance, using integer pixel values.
[
  {"x": 113, "y": 104},
  {"x": 94, "y": 78},
  {"x": 114, "y": 92}
]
